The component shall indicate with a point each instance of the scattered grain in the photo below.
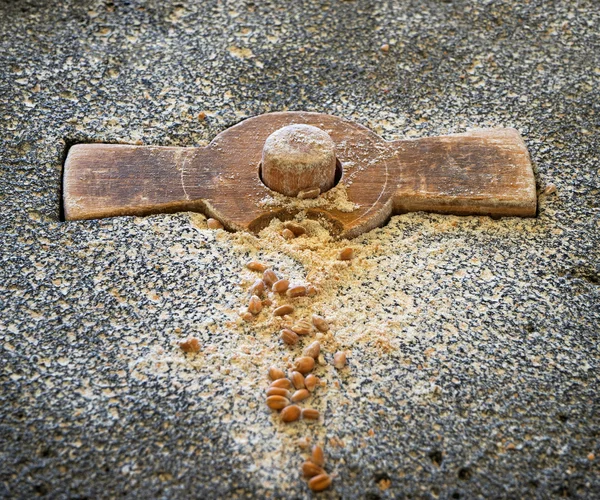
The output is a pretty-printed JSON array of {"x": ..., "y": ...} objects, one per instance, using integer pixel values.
[
  {"x": 295, "y": 228},
  {"x": 339, "y": 360},
  {"x": 191, "y": 344},
  {"x": 284, "y": 383},
  {"x": 276, "y": 373},
  {"x": 289, "y": 336},
  {"x": 311, "y": 470},
  {"x": 318, "y": 456},
  {"x": 297, "y": 380},
  {"x": 310, "y": 414},
  {"x": 313, "y": 350},
  {"x": 309, "y": 194},
  {"x": 277, "y": 402},
  {"x": 300, "y": 395},
  {"x": 269, "y": 277},
  {"x": 255, "y": 305},
  {"x": 385, "y": 47},
  {"x": 257, "y": 288},
  {"x": 213, "y": 224},
  {"x": 280, "y": 286},
  {"x": 320, "y": 323},
  {"x": 346, "y": 254},
  {"x": 257, "y": 266},
  {"x": 304, "y": 364},
  {"x": 312, "y": 290},
  {"x": 287, "y": 234},
  {"x": 291, "y": 413},
  {"x": 310, "y": 382},
  {"x": 302, "y": 327},
  {"x": 278, "y": 391},
  {"x": 283, "y": 310},
  {"x": 320, "y": 482},
  {"x": 296, "y": 291}
]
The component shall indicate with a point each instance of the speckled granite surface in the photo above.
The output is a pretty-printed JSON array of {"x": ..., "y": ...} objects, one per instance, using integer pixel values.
[{"x": 473, "y": 344}]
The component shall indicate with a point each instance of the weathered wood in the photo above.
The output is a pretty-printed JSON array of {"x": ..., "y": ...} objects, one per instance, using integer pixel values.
[{"x": 480, "y": 172}]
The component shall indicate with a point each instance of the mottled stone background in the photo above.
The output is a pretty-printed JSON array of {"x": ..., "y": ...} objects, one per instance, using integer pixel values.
[{"x": 489, "y": 385}]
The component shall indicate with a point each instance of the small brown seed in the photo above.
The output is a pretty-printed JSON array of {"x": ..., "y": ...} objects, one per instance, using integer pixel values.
[
  {"x": 302, "y": 327},
  {"x": 283, "y": 383},
  {"x": 295, "y": 228},
  {"x": 283, "y": 310},
  {"x": 310, "y": 414},
  {"x": 320, "y": 323},
  {"x": 287, "y": 234},
  {"x": 310, "y": 382},
  {"x": 304, "y": 364},
  {"x": 311, "y": 470},
  {"x": 317, "y": 455},
  {"x": 289, "y": 337},
  {"x": 257, "y": 288},
  {"x": 278, "y": 391},
  {"x": 255, "y": 305},
  {"x": 257, "y": 266},
  {"x": 309, "y": 193},
  {"x": 385, "y": 47},
  {"x": 313, "y": 350},
  {"x": 339, "y": 360},
  {"x": 291, "y": 413},
  {"x": 296, "y": 291},
  {"x": 320, "y": 482},
  {"x": 247, "y": 316},
  {"x": 300, "y": 395},
  {"x": 213, "y": 224},
  {"x": 267, "y": 302},
  {"x": 191, "y": 344},
  {"x": 346, "y": 254},
  {"x": 280, "y": 286},
  {"x": 277, "y": 402},
  {"x": 269, "y": 277},
  {"x": 297, "y": 380},
  {"x": 311, "y": 290},
  {"x": 276, "y": 373}
]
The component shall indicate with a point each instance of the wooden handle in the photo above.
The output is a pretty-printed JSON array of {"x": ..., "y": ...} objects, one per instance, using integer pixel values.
[{"x": 481, "y": 172}]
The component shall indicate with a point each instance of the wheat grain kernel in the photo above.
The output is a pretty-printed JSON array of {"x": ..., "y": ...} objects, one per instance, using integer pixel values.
[
  {"x": 313, "y": 350},
  {"x": 255, "y": 305},
  {"x": 310, "y": 414},
  {"x": 346, "y": 254},
  {"x": 257, "y": 266},
  {"x": 269, "y": 277},
  {"x": 283, "y": 310},
  {"x": 317, "y": 455},
  {"x": 276, "y": 373},
  {"x": 291, "y": 413},
  {"x": 296, "y": 291},
  {"x": 339, "y": 360},
  {"x": 213, "y": 224},
  {"x": 277, "y": 402},
  {"x": 310, "y": 382},
  {"x": 320, "y": 482},
  {"x": 300, "y": 395},
  {"x": 304, "y": 364},
  {"x": 283, "y": 383},
  {"x": 287, "y": 234},
  {"x": 191, "y": 344},
  {"x": 309, "y": 193},
  {"x": 281, "y": 286},
  {"x": 257, "y": 288},
  {"x": 295, "y": 228},
  {"x": 278, "y": 391},
  {"x": 320, "y": 323},
  {"x": 311, "y": 470},
  {"x": 302, "y": 327},
  {"x": 297, "y": 380},
  {"x": 289, "y": 337}
]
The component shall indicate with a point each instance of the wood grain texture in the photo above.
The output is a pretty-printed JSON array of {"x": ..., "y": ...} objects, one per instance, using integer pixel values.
[{"x": 485, "y": 172}]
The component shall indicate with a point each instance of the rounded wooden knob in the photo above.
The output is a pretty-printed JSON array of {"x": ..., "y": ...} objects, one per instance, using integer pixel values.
[{"x": 298, "y": 158}]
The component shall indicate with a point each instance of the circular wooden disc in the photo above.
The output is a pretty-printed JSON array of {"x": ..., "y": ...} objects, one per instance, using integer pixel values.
[{"x": 235, "y": 194}]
